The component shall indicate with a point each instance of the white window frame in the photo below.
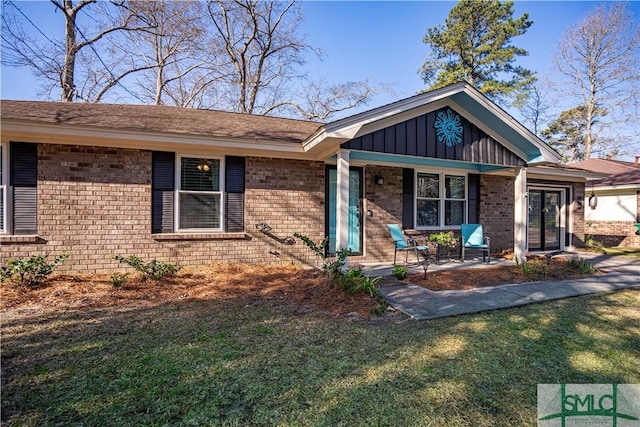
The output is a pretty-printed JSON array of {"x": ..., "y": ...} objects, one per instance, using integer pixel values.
[
  {"x": 442, "y": 199},
  {"x": 4, "y": 187},
  {"x": 178, "y": 191}
]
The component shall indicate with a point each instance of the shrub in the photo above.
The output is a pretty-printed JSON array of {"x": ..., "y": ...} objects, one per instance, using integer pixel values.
[
  {"x": 400, "y": 271},
  {"x": 355, "y": 280},
  {"x": 320, "y": 250},
  {"x": 592, "y": 244},
  {"x": 333, "y": 268},
  {"x": 581, "y": 266},
  {"x": 31, "y": 271},
  {"x": 444, "y": 238},
  {"x": 155, "y": 270},
  {"x": 118, "y": 279}
]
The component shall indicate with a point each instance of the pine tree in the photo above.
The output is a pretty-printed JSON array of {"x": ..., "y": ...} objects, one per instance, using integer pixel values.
[{"x": 475, "y": 45}]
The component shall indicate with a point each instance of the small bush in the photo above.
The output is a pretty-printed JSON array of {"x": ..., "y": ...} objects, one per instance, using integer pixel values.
[
  {"x": 355, "y": 280},
  {"x": 333, "y": 268},
  {"x": 581, "y": 266},
  {"x": 118, "y": 279},
  {"x": 400, "y": 271},
  {"x": 31, "y": 271},
  {"x": 155, "y": 270}
]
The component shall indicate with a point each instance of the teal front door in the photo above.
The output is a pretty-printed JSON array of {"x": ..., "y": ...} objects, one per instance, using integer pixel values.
[{"x": 355, "y": 216}]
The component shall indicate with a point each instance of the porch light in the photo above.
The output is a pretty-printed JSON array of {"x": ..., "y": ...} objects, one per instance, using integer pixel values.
[
  {"x": 593, "y": 199},
  {"x": 379, "y": 179}
]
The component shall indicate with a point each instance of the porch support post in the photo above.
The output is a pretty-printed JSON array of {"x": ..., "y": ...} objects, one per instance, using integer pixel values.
[
  {"x": 342, "y": 200},
  {"x": 520, "y": 205}
]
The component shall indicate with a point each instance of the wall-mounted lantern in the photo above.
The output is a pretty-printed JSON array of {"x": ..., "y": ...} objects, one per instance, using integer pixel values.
[
  {"x": 593, "y": 199},
  {"x": 379, "y": 179}
]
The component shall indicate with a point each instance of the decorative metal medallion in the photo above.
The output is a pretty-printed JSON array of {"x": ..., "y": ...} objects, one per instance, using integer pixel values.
[{"x": 448, "y": 127}]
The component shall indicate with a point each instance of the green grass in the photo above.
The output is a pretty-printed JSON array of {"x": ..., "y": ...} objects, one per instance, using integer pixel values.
[
  {"x": 230, "y": 364},
  {"x": 631, "y": 252}
]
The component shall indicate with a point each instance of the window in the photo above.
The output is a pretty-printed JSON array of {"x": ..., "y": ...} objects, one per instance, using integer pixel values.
[
  {"x": 3, "y": 188},
  {"x": 199, "y": 195},
  {"x": 440, "y": 200}
]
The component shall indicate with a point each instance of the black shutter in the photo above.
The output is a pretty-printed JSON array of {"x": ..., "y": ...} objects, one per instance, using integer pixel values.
[
  {"x": 234, "y": 186},
  {"x": 162, "y": 191},
  {"x": 23, "y": 179},
  {"x": 473, "y": 216},
  {"x": 407, "y": 198}
]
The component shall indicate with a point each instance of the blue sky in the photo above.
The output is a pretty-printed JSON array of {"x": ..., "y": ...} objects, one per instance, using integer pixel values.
[
  {"x": 376, "y": 40},
  {"x": 383, "y": 40}
]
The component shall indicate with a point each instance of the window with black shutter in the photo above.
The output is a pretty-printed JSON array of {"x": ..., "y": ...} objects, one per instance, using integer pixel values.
[
  {"x": 23, "y": 181},
  {"x": 193, "y": 198},
  {"x": 3, "y": 188}
]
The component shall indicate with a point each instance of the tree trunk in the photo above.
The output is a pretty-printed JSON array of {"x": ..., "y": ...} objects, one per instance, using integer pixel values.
[{"x": 67, "y": 81}]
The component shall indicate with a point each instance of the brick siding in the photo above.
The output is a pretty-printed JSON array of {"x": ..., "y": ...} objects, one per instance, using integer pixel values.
[
  {"x": 94, "y": 203},
  {"x": 496, "y": 212},
  {"x": 385, "y": 204},
  {"x": 616, "y": 233}
]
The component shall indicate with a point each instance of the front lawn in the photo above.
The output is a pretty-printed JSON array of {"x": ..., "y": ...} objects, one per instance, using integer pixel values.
[{"x": 246, "y": 361}]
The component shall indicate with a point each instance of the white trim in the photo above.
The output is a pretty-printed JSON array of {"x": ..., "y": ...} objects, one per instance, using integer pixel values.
[
  {"x": 614, "y": 188},
  {"x": 342, "y": 200},
  {"x": 177, "y": 191},
  {"x": 4, "y": 185},
  {"x": 565, "y": 212},
  {"x": 520, "y": 215},
  {"x": 442, "y": 199},
  {"x": 184, "y": 143}
]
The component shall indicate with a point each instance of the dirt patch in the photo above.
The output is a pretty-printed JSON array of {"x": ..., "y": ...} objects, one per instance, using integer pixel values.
[{"x": 470, "y": 278}]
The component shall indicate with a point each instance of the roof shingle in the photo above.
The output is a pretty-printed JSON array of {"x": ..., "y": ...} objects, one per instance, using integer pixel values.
[
  {"x": 162, "y": 119},
  {"x": 620, "y": 173}
]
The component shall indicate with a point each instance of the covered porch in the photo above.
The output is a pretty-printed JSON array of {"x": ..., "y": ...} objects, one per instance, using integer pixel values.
[{"x": 441, "y": 159}]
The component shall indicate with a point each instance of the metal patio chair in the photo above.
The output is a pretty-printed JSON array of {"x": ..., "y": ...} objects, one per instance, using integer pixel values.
[
  {"x": 474, "y": 238},
  {"x": 405, "y": 244}
]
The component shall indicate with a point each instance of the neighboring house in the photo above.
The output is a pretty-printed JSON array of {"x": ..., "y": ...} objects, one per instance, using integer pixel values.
[
  {"x": 193, "y": 186},
  {"x": 613, "y": 221}
]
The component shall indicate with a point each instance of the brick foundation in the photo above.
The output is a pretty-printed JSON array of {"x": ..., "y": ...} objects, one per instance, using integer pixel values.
[{"x": 614, "y": 233}]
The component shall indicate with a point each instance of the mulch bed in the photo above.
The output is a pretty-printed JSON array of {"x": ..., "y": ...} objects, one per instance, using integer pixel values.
[{"x": 470, "y": 278}]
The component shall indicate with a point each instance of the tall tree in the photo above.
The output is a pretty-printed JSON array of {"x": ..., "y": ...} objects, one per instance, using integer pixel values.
[
  {"x": 239, "y": 55},
  {"x": 475, "y": 45},
  {"x": 264, "y": 56},
  {"x": 566, "y": 134},
  {"x": 171, "y": 49},
  {"x": 600, "y": 59},
  {"x": 56, "y": 59},
  {"x": 534, "y": 106}
]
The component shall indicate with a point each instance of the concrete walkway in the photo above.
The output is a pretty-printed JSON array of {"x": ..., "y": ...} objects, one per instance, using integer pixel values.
[{"x": 422, "y": 304}]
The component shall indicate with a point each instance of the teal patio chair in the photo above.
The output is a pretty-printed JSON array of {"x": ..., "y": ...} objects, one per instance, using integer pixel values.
[
  {"x": 406, "y": 244},
  {"x": 474, "y": 238}
]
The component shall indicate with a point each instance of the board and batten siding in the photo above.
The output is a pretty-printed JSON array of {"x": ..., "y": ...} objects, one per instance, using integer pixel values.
[{"x": 417, "y": 137}]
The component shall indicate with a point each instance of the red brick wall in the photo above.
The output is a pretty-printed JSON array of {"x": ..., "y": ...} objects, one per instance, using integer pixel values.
[
  {"x": 616, "y": 233},
  {"x": 385, "y": 204},
  {"x": 94, "y": 203},
  {"x": 496, "y": 212}
]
